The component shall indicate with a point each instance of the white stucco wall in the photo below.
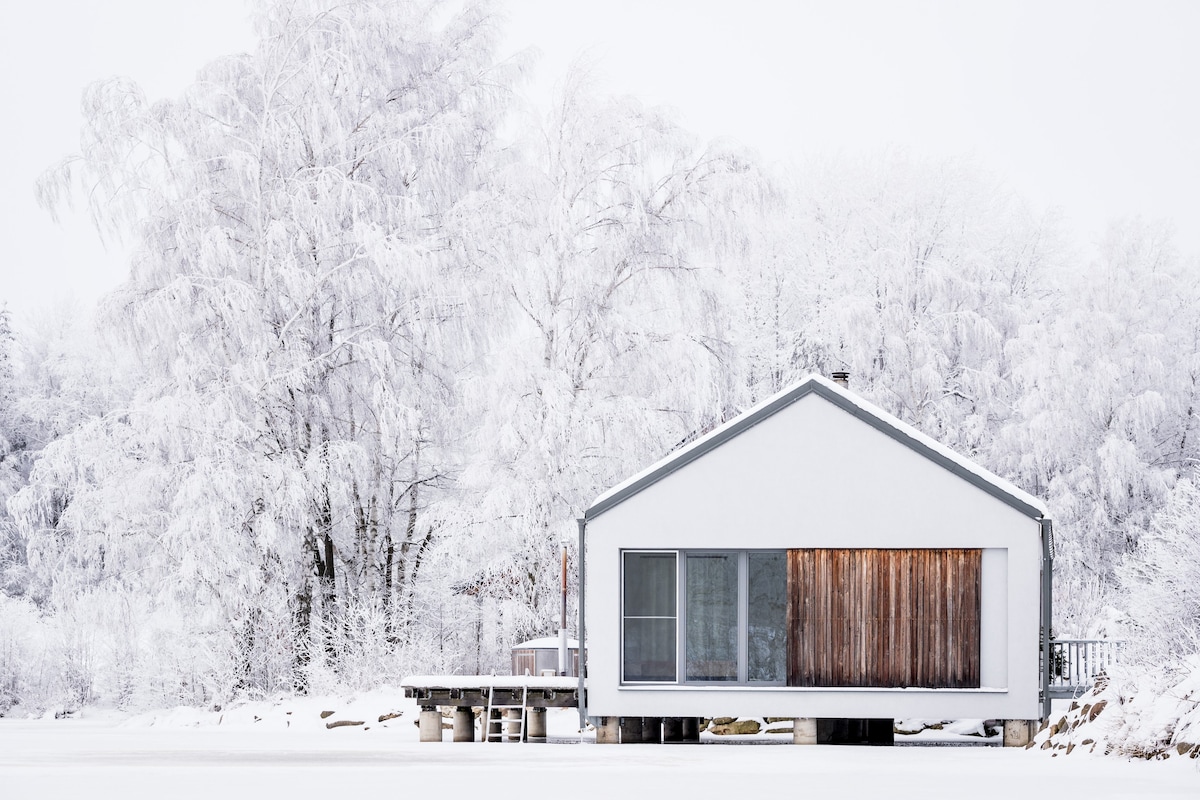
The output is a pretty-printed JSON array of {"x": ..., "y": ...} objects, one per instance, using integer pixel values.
[{"x": 812, "y": 475}]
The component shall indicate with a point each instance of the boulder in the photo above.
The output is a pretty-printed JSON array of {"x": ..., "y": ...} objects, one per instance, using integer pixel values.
[{"x": 736, "y": 727}]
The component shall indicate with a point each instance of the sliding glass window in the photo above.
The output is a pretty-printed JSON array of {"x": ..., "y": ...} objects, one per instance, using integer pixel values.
[
  {"x": 649, "y": 617},
  {"x": 766, "y": 613},
  {"x": 712, "y": 617},
  {"x": 705, "y": 617}
]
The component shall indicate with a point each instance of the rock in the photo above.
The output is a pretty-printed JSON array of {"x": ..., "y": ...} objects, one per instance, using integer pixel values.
[
  {"x": 1183, "y": 747},
  {"x": 788, "y": 729},
  {"x": 1088, "y": 741},
  {"x": 1046, "y": 745},
  {"x": 773, "y": 720},
  {"x": 1070, "y": 747},
  {"x": 393, "y": 715},
  {"x": 723, "y": 720},
  {"x": 736, "y": 727},
  {"x": 326, "y": 714},
  {"x": 343, "y": 723},
  {"x": 1096, "y": 709}
]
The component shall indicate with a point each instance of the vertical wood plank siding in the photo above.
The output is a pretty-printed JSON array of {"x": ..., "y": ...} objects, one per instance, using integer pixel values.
[{"x": 906, "y": 617}]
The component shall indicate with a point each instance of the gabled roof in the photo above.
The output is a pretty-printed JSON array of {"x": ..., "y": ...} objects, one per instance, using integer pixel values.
[{"x": 842, "y": 398}]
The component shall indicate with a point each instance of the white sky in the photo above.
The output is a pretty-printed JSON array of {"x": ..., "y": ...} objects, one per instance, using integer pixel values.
[{"x": 1085, "y": 105}]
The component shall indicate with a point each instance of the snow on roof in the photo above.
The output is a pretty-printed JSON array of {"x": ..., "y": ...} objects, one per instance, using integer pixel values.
[
  {"x": 545, "y": 643},
  {"x": 848, "y": 401}
]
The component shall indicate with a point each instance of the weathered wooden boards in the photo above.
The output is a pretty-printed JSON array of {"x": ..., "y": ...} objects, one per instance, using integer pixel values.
[{"x": 883, "y": 617}]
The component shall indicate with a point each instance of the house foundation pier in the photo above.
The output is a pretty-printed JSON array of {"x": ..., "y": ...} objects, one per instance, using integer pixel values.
[
  {"x": 1019, "y": 732},
  {"x": 804, "y": 730}
]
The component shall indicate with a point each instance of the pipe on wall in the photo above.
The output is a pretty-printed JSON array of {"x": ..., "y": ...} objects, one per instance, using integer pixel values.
[
  {"x": 581, "y": 560},
  {"x": 1047, "y": 611}
]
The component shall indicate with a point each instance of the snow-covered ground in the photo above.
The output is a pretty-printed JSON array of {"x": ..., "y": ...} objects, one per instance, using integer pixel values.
[{"x": 289, "y": 752}]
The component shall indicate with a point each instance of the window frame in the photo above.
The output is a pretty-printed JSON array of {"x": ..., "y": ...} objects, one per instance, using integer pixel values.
[
  {"x": 681, "y": 613},
  {"x": 624, "y": 616}
]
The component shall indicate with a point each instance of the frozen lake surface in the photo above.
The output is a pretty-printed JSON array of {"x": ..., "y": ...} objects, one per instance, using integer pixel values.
[{"x": 101, "y": 759}]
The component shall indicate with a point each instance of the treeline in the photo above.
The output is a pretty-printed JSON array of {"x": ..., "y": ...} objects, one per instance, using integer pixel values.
[{"x": 386, "y": 333}]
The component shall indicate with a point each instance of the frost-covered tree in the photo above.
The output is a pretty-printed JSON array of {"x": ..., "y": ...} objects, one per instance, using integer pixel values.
[
  {"x": 1106, "y": 408},
  {"x": 598, "y": 272},
  {"x": 11, "y": 445},
  {"x": 294, "y": 300},
  {"x": 1161, "y": 582},
  {"x": 923, "y": 272}
]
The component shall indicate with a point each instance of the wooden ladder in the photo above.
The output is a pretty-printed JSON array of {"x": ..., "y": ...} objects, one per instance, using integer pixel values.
[{"x": 505, "y": 725}]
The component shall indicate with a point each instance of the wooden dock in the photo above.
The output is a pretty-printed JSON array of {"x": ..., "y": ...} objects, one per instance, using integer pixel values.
[{"x": 514, "y": 705}]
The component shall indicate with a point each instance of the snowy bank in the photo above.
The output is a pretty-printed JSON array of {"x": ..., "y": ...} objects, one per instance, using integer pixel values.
[{"x": 1151, "y": 715}]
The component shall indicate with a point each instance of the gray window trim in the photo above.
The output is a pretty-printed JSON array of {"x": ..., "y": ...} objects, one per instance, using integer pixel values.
[
  {"x": 621, "y": 648},
  {"x": 743, "y": 646}
]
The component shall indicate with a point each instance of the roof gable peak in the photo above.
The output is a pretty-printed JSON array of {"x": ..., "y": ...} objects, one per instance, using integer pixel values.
[{"x": 851, "y": 403}]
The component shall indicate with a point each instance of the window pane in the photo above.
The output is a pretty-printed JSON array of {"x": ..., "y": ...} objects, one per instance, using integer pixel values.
[
  {"x": 649, "y": 651},
  {"x": 766, "y": 639},
  {"x": 712, "y": 601},
  {"x": 650, "y": 585}
]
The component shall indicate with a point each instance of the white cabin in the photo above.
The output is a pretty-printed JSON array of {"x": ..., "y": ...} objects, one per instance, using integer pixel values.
[{"x": 815, "y": 557}]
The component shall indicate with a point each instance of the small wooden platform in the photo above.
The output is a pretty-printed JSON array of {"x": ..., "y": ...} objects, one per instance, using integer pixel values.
[{"x": 476, "y": 690}]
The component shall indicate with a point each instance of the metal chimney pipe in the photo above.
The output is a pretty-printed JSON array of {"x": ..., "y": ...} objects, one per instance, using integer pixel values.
[{"x": 841, "y": 379}]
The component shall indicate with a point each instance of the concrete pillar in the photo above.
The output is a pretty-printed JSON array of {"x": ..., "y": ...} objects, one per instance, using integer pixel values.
[
  {"x": 804, "y": 730},
  {"x": 672, "y": 729},
  {"x": 512, "y": 725},
  {"x": 690, "y": 728},
  {"x": 608, "y": 730},
  {"x": 495, "y": 725},
  {"x": 1019, "y": 732},
  {"x": 535, "y": 725},
  {"x": 631, "y": 730},
  {"x": 652, "y": 730},
  {"x": 464, "y": 724},
  {"x": 429, "y": 723}
]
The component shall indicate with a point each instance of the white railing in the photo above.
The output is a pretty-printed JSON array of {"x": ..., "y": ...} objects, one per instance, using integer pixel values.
[{"x": 1075, "y": 663}]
